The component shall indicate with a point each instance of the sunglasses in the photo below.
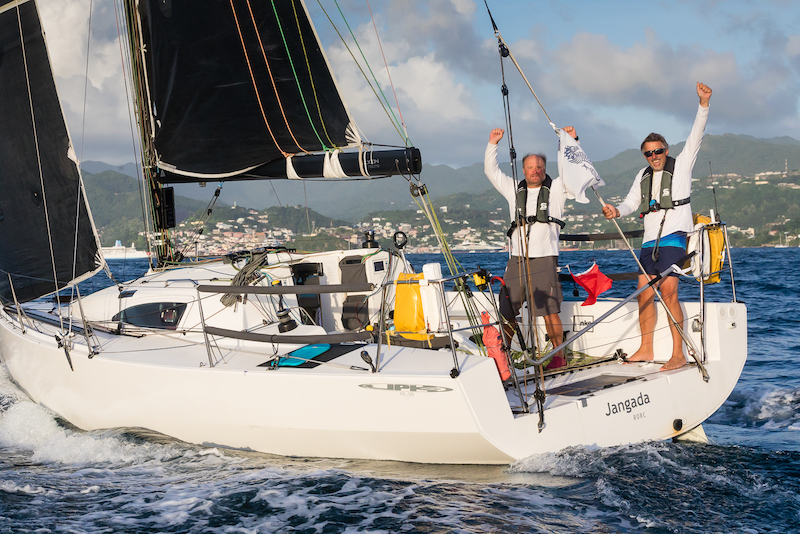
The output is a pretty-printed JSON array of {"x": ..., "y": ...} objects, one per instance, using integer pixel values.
[{"x": 657, "y": 152}]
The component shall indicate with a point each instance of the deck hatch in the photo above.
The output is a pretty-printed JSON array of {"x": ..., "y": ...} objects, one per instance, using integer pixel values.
[{"x": 590, "y": 385}]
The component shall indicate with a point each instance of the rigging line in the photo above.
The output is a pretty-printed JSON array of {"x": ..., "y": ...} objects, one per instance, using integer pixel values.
[
  {"x": 427, "y": 206},
  {"x": 271, "y": 182},
  {"x": 503, "y": 51},
  {"x": 308, "y": 217},
  {"x": 494, "y": 26},
  {"x": 513, "y": 60},
  {"x": 311, "y": 78},
  {"x": 523, "y": 263},
  {"x": 391, "y": 83},
  {"x": 691, "y": 349},
  {"x": 130, "y": 76},
  {"x": 38, "y": 160},
  {"x": 512, "y": 152},
  {"x": 80, "y": 159},
  {"x": 253, "y": 79},
  {"x": 271, "y": 77},
  {"x": 144, "y": 112},
  {"x": 294, "y": 73},
  {"x": 206, "y": 214},
  {"x": 86, "y": 78},
  {"x": 523, "y": 267},
  {"x": 380, "y": 89},
  {"x": 364, "y": 74}
]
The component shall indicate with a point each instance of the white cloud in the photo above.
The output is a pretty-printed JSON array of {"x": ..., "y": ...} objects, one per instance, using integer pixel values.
[
  {"x": 793, "y": 46},
  {"x": 432, "y": 87},
  {"x": 104, "y": 126},
  {"x": 605, "y": 75}
]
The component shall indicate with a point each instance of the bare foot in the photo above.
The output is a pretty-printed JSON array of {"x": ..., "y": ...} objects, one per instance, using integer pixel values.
[
  {"x": 676, "y": 362},
  {"x": 641, "y": 355}
]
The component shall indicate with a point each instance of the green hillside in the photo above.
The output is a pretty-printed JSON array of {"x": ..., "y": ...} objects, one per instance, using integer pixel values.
[
  {"x": 770, "y": 206},
  {"x": 116, "y": 206}
]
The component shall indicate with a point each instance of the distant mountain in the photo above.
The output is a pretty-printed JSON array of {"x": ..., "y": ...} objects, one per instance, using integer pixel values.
[
  {"x": 95, "y": 167},
  {"x": 352, "y": 200}
]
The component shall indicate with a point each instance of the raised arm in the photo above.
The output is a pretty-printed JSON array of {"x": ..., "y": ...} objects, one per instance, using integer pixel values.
[
  {"x": 704, "y": 92},
  {"x": 495, "y": 135},
  {"x": 571, "y": 131}
]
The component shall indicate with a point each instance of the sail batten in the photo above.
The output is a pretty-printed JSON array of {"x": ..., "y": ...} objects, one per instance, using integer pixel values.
[{"x": 47, "y": 237}]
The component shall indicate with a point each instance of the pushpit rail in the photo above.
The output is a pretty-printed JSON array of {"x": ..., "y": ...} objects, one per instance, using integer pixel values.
[{"x": 456, "y": 371}]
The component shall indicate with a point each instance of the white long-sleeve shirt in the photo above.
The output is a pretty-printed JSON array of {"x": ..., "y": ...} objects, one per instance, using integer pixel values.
[
  {"x": 678, "y": 219},
  {"x": 542, "y": 237}
]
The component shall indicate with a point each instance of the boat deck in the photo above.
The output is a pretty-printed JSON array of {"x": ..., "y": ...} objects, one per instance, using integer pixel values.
[{"x": 581, "y": 383}]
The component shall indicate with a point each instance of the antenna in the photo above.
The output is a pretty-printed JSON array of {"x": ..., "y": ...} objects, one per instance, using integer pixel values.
[{"x": 713, "y": 192}]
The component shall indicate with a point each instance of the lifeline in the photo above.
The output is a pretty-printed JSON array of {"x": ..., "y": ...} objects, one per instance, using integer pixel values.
[{"x": 628, "y": 405}]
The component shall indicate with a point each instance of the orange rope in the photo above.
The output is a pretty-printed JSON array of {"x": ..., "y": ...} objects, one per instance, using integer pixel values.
[
  {"x": 255, "y": 86},
  {"x": 274, "y": 87}
]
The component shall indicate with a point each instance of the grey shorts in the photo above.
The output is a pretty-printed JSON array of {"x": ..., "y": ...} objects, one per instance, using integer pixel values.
[{"x": 547, "y": 295}]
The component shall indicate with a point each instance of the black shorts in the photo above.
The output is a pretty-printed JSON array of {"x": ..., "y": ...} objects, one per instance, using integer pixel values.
[
  {"x": 666, "y": 257},
  {"x": 547, "y": 295}
]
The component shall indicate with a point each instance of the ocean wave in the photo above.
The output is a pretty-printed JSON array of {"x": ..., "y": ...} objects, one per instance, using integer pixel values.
[
  {"x": 775, "y": 408},
  {"x": 682, "y": 487}
]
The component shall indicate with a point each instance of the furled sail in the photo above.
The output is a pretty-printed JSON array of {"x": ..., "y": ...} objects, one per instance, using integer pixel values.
[
  {"x": 238, "y": 86},
  {"x": 47, "y": 237}
]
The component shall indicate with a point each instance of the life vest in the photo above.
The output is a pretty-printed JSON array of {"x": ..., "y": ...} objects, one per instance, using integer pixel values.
[
  {"x": 542, "y": 206},
  {"x": 664, "y": 201}
]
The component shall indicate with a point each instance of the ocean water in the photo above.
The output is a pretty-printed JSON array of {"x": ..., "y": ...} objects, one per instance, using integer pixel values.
[{"x": 56, "y": 478}]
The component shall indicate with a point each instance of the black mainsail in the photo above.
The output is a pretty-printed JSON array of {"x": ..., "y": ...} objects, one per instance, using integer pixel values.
[
  {"x": 241, "y": 89},
  {"x": 47, "y": 237}
]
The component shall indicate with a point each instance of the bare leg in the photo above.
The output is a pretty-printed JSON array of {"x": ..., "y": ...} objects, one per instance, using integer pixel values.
[
  {"x": 669, "y": 292},
  {"x": 556, "y": 332},
  {"x": 647, "y": 322}
]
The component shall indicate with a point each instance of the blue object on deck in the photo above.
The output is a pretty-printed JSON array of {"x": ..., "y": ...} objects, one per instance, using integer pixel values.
[{"x": 306, "y": 353}]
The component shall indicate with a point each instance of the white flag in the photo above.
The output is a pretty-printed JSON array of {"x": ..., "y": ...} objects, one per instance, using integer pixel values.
[{"x": 576, "y": 169}]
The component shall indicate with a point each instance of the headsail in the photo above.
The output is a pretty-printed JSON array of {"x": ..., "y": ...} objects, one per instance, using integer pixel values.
[
  {"x": 237, "y": 86},
  {"x": 47, "y": 237}
]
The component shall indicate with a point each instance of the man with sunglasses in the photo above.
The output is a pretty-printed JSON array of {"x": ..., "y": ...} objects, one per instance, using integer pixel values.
[{"x": 662, "y": 190}]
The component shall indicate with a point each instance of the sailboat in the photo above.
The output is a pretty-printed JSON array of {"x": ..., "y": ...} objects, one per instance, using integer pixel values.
[
  {"x": 780, "y": 242},
  {"x": 344, "y": 354}
]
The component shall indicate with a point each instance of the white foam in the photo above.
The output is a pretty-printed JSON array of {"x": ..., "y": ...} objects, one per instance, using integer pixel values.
[
  {"x": 774, "y": 408},
  {"x": 570, "y": 462},
  {"x": 609, "y": 497},
  {"x": 27, "y": 426},
  {"x": 10, "y": 486}
]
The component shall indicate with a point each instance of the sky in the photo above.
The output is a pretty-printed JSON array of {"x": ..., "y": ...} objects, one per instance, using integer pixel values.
[{"x": 616, "y": 70}]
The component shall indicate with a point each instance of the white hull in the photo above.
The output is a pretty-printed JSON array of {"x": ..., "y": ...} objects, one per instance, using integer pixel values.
[{"x": 411, "y": 410}]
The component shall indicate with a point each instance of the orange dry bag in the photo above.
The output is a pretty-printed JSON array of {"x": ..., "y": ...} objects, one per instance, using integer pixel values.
[{"x": 494, "y": 346}]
